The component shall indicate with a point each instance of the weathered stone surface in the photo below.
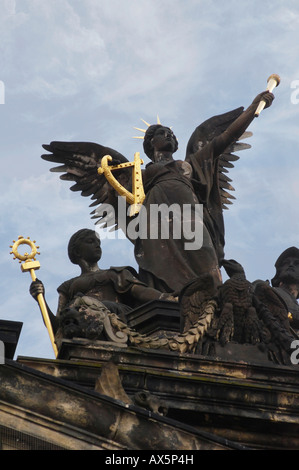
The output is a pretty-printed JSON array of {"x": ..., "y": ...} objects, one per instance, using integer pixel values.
[
  {"x": 110, "y": 420},
  {"x": 253, "y": 404},
  {"x": 9, "y": 335}
]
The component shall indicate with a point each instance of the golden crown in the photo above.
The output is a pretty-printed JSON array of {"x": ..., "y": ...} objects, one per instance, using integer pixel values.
[{"x": 144, "y": 130}]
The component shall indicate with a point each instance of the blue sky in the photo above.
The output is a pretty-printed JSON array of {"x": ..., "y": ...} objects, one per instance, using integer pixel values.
[{"x": 89, "y": 70}]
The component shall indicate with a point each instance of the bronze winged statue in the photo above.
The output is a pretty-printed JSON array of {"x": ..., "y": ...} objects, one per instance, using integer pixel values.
[{"x": 199, "y": 180}]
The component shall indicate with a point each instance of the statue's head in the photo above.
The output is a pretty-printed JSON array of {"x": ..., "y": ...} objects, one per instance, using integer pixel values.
[
  {"x": 84, "y": 245},
  {"x": 158, "y": 137},
  {"x": 287, "y": 267}
]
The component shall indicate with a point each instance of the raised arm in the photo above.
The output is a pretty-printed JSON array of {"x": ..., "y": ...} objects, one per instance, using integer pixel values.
[{"x": 239, "y": 126}]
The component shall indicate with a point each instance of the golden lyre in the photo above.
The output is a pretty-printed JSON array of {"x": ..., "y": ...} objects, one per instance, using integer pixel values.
[
  {"x": 273, "y": 81},
  {"x": 30, "y": 264},
  {"x": 136, "y": 197}
]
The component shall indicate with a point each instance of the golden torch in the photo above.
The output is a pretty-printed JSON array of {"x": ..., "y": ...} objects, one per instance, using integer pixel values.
[{"x": 273, "y": 81}]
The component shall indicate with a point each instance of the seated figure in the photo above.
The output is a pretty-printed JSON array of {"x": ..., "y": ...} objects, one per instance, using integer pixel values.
[{"x": 118, "y": 288}]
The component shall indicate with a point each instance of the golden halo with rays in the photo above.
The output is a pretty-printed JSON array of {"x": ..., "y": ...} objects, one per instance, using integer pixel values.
[{"x": 144, "y": 130}]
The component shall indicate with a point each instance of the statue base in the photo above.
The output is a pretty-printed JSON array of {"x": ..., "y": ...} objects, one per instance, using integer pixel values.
[{"x": 157, "y": 316}]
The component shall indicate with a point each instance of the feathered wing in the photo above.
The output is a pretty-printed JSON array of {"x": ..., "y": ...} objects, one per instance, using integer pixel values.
[
  {"x": 204, "y": 134},
  {"x": 79, "y": 162},
  {"x": 269, "y": 298},
  {"x": 274, "y": 314},
  {"x": 193, "y": 299}
]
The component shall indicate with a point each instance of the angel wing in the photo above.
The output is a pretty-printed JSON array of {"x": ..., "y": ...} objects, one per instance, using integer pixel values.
[
  {"x": 204, "y": 134},
  {"x": 79, "y": 163}
]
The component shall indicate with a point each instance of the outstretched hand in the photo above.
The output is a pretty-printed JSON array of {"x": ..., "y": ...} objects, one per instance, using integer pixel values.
[
  {"x": 36, "y": 287},
  {"x": 266, "y": 96}
]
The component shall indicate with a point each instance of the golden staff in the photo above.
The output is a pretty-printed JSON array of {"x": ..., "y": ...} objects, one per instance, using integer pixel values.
[
  {"x": 273, "y": 81},
  {"x": 30, "y": 264},
  {"x": 137, "y": 196}
]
